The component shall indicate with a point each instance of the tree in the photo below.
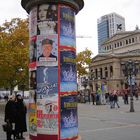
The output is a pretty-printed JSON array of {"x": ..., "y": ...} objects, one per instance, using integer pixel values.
[
  {"x": 83, "y": 61},
  {"x": 14, "y": 53}
]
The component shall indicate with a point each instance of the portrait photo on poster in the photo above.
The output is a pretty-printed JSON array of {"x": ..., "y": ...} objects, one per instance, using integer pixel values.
[
  {"x": 32, "y": 50},
  {"x": 32, "y": 79},
  {"x": 47, "y": 50},
  {"x": 47, "y": 19}
]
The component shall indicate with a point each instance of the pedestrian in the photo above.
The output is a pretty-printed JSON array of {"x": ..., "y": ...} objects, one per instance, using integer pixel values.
[
  {"x": 125, "y": 98},
  {"x": 115, "y": 99},
  {"x": 10, "y": 115},
  {"x": 88, "y": 96},
  {"x": 111, "y": 100},
  {"x": 93, "y": 97},
  {"x": 21, "y": 117},
  {"x": 99, "y": 92},
  {"x": 107, "y": 97}
]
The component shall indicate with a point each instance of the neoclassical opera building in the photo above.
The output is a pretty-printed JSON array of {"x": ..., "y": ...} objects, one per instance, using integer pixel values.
[{"x": 106, "y": 68}]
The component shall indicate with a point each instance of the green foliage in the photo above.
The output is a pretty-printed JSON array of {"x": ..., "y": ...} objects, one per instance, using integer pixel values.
[
  {"x": 14, "y": 53},
  {"x": 83, "y": 61}
]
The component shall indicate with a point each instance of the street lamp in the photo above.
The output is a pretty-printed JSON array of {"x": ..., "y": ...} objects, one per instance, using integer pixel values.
[{"x": 130, "y": 69}]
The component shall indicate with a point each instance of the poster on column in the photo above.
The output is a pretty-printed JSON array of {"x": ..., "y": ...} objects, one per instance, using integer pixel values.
[
  {"x": 47, "y": 82},
  {"x": 33, "y": 22},
  {"x": 47, "y": 116},
  {"x": 32, "y": 113},
  {"x": 47, "y": 16},
  {"x": 32, "y": 52},
  {"x": 67, "y": 27},
  {"x": 69, "y": 117},
  {"x": 47, "y": 100},
  {"x": 47, "y": 50},
  {"x": 68, "y": 82},
  {"x": 32, "y": 79}
]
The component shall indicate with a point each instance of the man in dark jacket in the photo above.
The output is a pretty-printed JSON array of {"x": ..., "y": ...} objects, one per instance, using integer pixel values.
[
  {"x": 20, "y": 126},
  {"x": 10, "y": 115}
]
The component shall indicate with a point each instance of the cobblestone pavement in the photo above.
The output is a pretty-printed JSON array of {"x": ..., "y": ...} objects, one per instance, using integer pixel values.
[{"x": 102, "y": 123}]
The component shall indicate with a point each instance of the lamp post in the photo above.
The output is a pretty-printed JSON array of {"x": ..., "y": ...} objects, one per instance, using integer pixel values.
[{"x": 130, "y": 70}]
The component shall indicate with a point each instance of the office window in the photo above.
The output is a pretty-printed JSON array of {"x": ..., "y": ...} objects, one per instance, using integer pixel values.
[
  {"x": 129, "y": 41},
  {"x": 111, "y": 71},
  {"x": 120, "y": 43},
  {"x": 101, "y": 73},
  {"x": 106, "y": 72},
  {"x": 96, "y": 73},
  {"x": 133, "y": 40},
  {"x": 107, "y": 48}
]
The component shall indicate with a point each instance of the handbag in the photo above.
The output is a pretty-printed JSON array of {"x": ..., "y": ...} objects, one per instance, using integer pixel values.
[{"x": 7, "y": 127}]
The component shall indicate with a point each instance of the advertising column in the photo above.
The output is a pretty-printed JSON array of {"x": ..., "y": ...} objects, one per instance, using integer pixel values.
[{"x": 52, "y": 69}]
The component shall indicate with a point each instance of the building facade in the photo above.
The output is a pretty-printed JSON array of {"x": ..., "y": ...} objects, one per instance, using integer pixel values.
[
  {"x": 108, "y": 25},
  {"x": 122, "y": 42},
  {"x": 106, "y": 68}
]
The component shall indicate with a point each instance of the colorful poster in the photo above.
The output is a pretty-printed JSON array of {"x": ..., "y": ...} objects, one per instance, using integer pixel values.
[
  {"x": 47, "y": 116},
  {"x": 32, "y": 50},
  {"x": 47, "y": 50},
  {"x": 69, "y": 117},
  {"x": 68, "y": 78},
  {"x": 67, "y": 27},
  {"x": 32, "y": 96},
  {"x": 47, "y": 19},
  {"x": 32, "y": 114},
  {"x": 47, "y": 82},
  {"x": 32, "y": 79},
  {"x": 33, "y": 22}
]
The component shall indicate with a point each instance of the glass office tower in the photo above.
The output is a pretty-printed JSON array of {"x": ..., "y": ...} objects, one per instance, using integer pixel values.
[{"x": 108, "y": 25}]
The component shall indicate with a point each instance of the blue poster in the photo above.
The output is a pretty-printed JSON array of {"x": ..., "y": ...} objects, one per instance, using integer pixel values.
[
  {"x": 68, "y": 78},
  {"x": 67, "y": 27},
  {"x": 69, "y": 117},
  {"x": 47, "y": 82}
]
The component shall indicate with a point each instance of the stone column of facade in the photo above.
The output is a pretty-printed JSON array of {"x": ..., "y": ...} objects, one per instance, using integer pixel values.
[
  {"x": 116, "y": 74},
  {"x": 53, "y": 82}
]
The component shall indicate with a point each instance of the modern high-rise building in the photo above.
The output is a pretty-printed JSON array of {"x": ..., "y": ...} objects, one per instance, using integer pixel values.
[{"x": 108, "y": 25}]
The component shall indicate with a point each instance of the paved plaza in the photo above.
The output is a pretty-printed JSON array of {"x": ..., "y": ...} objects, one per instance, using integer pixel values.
[{"x": 102, "y": 123}]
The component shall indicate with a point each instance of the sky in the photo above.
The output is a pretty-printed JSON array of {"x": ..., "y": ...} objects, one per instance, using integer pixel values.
[{"x": 86, "y": 19}]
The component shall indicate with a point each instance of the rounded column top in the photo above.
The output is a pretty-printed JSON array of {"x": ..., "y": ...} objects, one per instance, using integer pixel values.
[{"x": 77, "y": 5}]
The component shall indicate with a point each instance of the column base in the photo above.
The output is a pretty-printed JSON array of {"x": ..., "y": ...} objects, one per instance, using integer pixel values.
[{"x": 79, "y": 138}]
